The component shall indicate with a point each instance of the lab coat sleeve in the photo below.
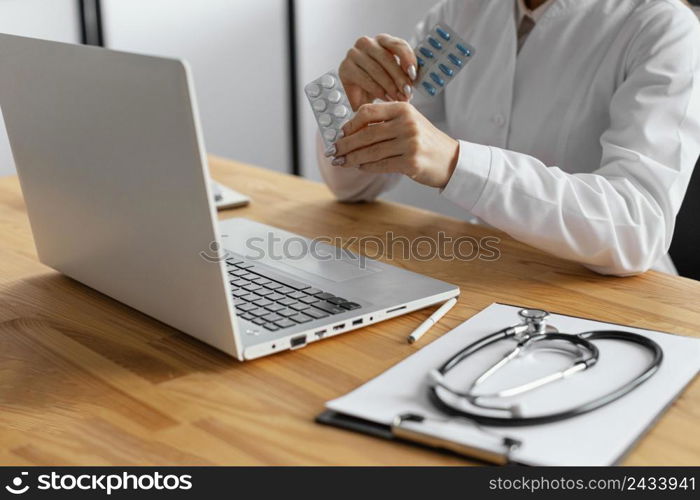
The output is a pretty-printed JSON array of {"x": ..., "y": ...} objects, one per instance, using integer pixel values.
[
  {"x": 350, "y": 184},
  {"x": 619, "y": 219},
  {"x": 353, "y": 185}
]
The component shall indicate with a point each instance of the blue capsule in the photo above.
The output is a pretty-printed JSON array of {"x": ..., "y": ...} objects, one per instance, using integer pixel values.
[
  {"x": 431, "y": 90},
  {"x": 436, "y": 45},
  {"x": 427, "y": 53},
  {"x": 444, "y": 34},
  {"x": 436, "y": 78},
  {"x": 421, "y": 62},
  {"x": 465, "y": 51},
  {"x": 446, "y": 69},
  {"x": 455, "y": 60}
]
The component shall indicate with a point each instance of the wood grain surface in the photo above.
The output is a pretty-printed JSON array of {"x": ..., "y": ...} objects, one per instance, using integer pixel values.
[{"x": 87, "y": 380}]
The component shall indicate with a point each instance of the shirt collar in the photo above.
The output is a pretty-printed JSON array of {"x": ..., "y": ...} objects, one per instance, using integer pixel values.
[{"x": 536, "y": 15}]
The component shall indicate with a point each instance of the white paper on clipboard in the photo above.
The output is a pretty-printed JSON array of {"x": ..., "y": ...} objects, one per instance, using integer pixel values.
[{"x": 601, "y": 437}]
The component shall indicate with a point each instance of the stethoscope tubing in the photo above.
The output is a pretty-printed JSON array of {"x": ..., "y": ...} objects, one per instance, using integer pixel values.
[{"x": 514, "y": 421}]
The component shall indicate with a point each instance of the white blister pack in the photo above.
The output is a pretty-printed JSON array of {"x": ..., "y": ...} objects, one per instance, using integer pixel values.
[
  {"x": 441, "y": 55},
  {"x": 330, "y": 105}
]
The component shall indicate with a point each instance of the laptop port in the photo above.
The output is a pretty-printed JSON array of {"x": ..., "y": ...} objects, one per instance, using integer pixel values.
[
  {"x": 320, "y": 333},
  {"x": 357, "y": 322},
  {"x": 339, "y": 327},
  {"x": 297, "y": 342},
  {"x": 389, "y": 311}
]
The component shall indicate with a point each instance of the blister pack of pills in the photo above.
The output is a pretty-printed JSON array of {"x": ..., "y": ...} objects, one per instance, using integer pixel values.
[
  {"x": 441, "y": 55},
  {"x": 330, "y": 105}
]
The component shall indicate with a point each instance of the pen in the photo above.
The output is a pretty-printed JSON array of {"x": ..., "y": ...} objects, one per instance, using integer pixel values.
[{"x": 434, "y": 318}]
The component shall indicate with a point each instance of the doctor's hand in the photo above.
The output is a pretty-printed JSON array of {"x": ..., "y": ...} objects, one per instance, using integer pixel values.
[
  {"x": 370, "y": 70},
  {"x": 395, "y": 137}
]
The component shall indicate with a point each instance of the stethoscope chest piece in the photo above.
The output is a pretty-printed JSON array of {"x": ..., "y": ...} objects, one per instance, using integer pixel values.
[{"x": 535, "y": 321}]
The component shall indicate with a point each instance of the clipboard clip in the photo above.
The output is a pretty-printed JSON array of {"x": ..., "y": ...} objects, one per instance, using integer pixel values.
[{"x": 458, "y": 435}]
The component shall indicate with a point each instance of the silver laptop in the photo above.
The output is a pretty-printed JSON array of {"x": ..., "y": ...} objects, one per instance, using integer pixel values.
[{"x": 112, "y": 165}]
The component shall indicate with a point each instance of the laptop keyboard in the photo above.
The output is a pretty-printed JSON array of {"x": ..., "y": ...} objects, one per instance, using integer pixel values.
[{"x": 275, "y": 302}]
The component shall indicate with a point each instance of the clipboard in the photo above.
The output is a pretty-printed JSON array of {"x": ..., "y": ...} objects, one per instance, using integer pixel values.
[
  {"x": 391, "y": 406},
  {"x": 417, "y": 430}
]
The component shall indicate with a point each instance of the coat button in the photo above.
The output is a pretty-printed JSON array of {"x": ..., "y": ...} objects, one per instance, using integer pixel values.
[{"x": 499, "y": 120}]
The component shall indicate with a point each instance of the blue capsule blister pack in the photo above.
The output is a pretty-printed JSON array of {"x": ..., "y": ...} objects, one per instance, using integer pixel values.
[{"x": 441, "y": 55}]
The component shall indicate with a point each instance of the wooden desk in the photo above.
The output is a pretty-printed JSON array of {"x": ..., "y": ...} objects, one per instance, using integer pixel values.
[{"x": 87, "y": 380}]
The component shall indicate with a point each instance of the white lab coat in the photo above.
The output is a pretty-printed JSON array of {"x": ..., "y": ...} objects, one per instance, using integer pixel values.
[{"x": 583, "y": 144}]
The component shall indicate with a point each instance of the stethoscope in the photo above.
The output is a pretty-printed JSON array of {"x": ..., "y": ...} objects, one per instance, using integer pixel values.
[{"x": 530, "y": 334}]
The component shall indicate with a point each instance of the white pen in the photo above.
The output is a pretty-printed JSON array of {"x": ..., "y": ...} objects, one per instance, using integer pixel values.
[{"x": 428, "y": 323}]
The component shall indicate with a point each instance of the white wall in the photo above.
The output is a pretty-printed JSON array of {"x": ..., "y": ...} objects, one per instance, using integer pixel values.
[
  {"x": 326, "y": 29},
  {"x": 49, "y": 19},
  {"x": 238, "y": 54}
]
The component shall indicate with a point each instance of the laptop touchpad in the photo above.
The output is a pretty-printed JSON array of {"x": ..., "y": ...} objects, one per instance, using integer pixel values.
[
  {"x": 333, "y": 269},
  {"x": 292, "y": 253}
]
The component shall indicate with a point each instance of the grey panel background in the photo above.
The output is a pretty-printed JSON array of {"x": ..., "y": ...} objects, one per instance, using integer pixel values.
[
  {"x": 48, "y": 19},
  {"x": 238, "y": 55}
]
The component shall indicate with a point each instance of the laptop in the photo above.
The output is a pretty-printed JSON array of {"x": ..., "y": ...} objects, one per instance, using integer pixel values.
[{"x": 112, "y": 165}]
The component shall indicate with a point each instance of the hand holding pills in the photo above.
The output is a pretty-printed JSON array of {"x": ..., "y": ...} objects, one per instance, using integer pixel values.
[
  {"x": 395, "y": 137},
  {"x": 390, "y": 136},
  {"x": 381, "y": 67}
]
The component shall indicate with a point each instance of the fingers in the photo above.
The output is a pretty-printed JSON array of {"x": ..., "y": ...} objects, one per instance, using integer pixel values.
[
  {"x": 377, "y": 70},
  {"x": 403, "y": 50},
  {"x": 373, "y": 153},
  {"x": 385, "y": 58},
  {"x": 373, "y": 113},
  {"x": 385, "y": 166},
  {"x": 388, "y": 62},
  {"x": 350, "y": 71},
  {"x": 364, "y": 137}
]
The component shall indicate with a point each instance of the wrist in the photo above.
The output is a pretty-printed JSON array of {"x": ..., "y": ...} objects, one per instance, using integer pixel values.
[{"x": 452, "y": 163}]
